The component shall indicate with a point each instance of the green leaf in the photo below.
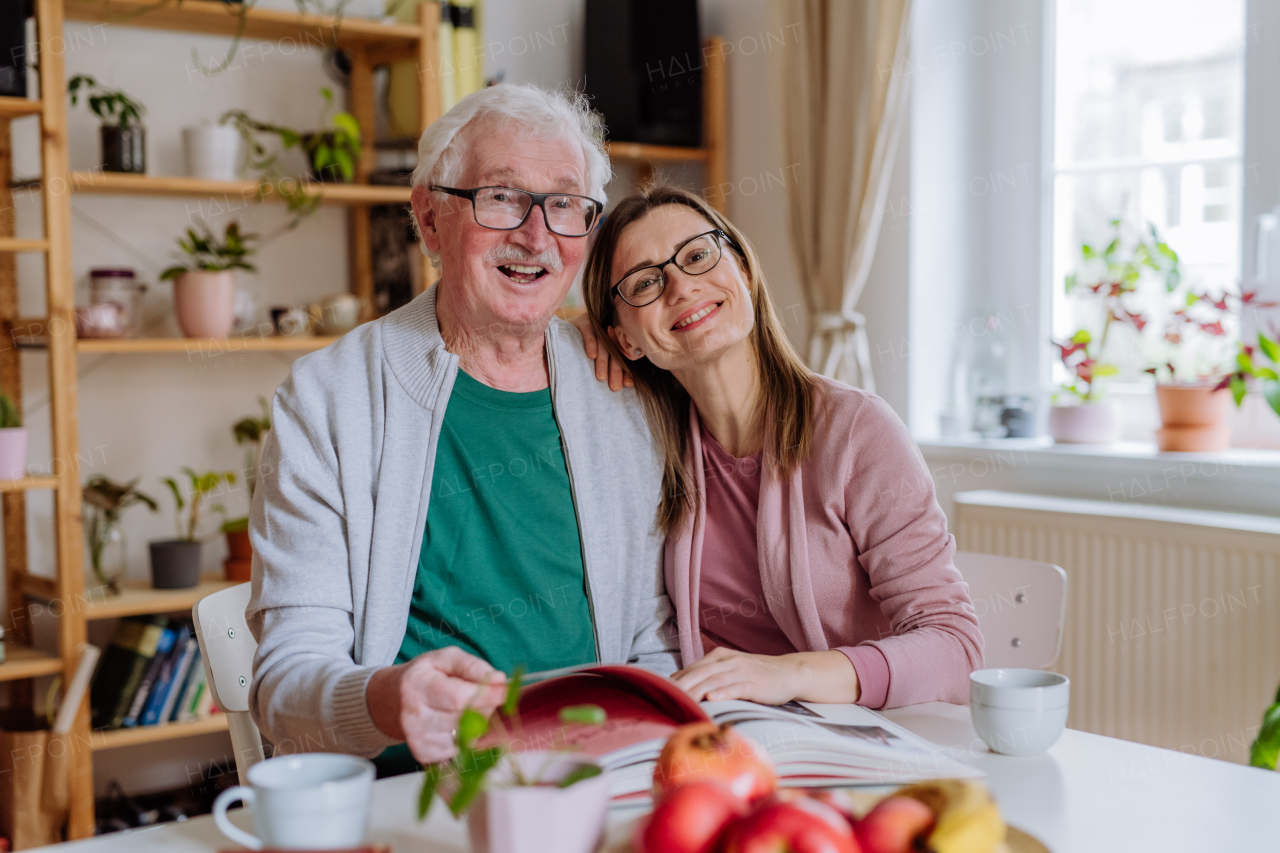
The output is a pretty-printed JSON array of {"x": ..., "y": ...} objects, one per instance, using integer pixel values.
[
  {"x": 1269, "y": 348},
  {"x": 1238, "y": 389},
  {"x": 1070, "y": 283},
  {"x": 1271, "y": 393},
  {"x": 588, "y": 715},
  {"x": 1266, "y": 746},
  {"x": 582, "y": 771},
  {"x": 1081, "y": 337},
  {"x": 471, "y": 777},
  {"x": 347, "y": 123},
  {"x": 1105, "y": 370},
  {"x": 1191, "y": 299},
  {"x": 430, "y": 783},
  {"x": 1087, "y": 252},
  {"x": 1266, "y": 373},
  {"x": 512, "y": 701},
  {"x": 1245, "y": 361},
  {"x": 471, "y": 727},
  {"x": 1111, "y": 248}
]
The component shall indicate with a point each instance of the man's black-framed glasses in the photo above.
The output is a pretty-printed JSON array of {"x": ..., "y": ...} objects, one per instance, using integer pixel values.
[
  {"x": 506, "y": 209},
  {"x": 695, "y": 256}
]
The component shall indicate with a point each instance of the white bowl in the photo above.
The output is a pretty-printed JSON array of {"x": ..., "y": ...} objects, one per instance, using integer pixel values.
[{"x": 1019, "y": 711}]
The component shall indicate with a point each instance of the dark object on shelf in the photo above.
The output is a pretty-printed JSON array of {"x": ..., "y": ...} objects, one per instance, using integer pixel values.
[
  {"x": 124, "y": 149},
  {"x": 1018, "y": 416},
  {"x": 397, "y": 261},
  {"x": 175, "y": 564},
  {"x": 118, "y": 810},
  {"x": 13, "y": 47},
  {"x": 644, "y": 69}
]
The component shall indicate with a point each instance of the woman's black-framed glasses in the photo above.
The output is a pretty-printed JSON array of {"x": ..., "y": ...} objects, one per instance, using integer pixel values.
[
  {"x": 695, "y": 256},
  {"x": 506, "y": 209}
]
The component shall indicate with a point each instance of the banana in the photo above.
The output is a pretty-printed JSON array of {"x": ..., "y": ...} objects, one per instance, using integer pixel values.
[{"x": 968, "y": 819}]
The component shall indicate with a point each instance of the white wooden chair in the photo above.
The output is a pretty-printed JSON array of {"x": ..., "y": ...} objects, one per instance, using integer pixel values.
[
  {"x": 227, "y": 649},
  {"x": 1021, "y": 607}
]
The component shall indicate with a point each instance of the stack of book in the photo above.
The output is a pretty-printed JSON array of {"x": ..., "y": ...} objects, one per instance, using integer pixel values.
[{"x": 151, "y": 674}]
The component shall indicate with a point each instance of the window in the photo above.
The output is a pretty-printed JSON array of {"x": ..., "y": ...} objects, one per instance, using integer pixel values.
[{"x": 1148, "y": 129}]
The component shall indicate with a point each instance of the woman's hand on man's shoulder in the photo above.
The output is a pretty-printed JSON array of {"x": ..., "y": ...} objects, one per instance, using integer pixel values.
[{"x": 606, "y": 366}]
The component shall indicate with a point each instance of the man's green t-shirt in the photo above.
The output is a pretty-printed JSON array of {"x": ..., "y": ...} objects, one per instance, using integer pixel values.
[{"x": 500, "y": 572}]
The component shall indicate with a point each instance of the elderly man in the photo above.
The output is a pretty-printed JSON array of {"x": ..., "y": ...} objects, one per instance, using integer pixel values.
[{"x": 447, "y": 493}]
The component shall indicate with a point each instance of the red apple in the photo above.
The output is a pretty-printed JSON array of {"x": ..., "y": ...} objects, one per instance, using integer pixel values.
[
  {"x": 707, "y": 751},
  {"x": 894, "y": 825},
  {"x": 690, "y": 819},
  {"x": 800, "y": 825}
]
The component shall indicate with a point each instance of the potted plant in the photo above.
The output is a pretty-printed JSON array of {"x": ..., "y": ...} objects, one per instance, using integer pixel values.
[
  {"x": 332, "y": 152},
  {"x": 1257, "y": 365},
  {"x": 250, "y": 431},
  {"x": 517, "y": 802},
  {"x": 213, "y": 152},
  {"x": 1087, "y": 419},
  {"x": 204, "y": 287},
  {"x": 108, "y": 554},
  {"x": 124, "y": 139},
  {"x": 175, "y": 563},
  {"x": 13, "y": 440}
]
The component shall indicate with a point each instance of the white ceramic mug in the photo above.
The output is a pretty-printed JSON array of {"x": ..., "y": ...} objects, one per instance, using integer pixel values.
[
  {"x": 1019, "y": 711},
  {"x": 314, "y": 801}
]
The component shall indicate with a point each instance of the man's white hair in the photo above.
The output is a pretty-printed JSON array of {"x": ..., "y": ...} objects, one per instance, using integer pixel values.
[{"x": 542, "y": 114}]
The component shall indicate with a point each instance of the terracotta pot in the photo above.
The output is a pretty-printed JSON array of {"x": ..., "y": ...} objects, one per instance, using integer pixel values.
[
  {"x": 238, "y": 566},
  {"x": 13, "y": 453},
  {"x": 1193, "y": 417},
  {"x": 534, "y": 818},
  {"x": 205, "y": 303},
  {"x": 1087, "y": 423}
]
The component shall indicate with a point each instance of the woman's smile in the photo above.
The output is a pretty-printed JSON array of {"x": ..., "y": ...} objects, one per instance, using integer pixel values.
[{"x": 696, "y": 316}]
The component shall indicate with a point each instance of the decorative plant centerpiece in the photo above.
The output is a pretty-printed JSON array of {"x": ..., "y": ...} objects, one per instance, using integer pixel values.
[
  {"x": 250, "y": 432},
  {"x": 175, "y": 563},
  {"x": 204, "y": 287},
  {"x": 13, "y": 440},
  {"x": 107, "y": 548},
  {"x": 124, "y": 139},
  {"x": 515, "y": 801}
]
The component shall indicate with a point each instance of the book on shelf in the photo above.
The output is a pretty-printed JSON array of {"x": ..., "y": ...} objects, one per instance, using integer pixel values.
[
  {"x": 194, "y": 677},
  {"x": 124, "y": 664},
  {"x": 160, "y": 706},
  {"x": 809, "y": 744},
  {"x": 140, "y": 697}
]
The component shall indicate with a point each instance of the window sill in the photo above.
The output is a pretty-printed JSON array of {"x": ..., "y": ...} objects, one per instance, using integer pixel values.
[{"x": 1233, "y": 480}]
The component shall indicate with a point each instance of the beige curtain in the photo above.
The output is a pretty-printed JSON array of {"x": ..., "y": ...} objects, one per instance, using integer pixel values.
[{"x": 841, "y": 91}]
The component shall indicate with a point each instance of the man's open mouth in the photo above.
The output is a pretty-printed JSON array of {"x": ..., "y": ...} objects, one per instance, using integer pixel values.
[
  {"x": 522, "y": 274},
  {"x": 700, "y": 314}
]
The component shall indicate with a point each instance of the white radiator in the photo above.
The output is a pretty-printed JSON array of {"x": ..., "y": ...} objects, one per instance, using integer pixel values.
[{"x": 1172, "y": 633}]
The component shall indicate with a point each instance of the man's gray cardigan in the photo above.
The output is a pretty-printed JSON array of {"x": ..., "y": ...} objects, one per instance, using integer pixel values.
[{"x": 341, "y": 504}]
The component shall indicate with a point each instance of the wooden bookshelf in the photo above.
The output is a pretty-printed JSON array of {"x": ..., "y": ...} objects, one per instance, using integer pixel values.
[
  {"x": 227, "y": 193},
  {"x": 116, "y": 738},
  {"x": 26, "y": 484},
  {"x": 219, "y": 18},
  {"x": 16, "y": 244},
  {"x": 11, "y": 107},
  {"x": 205, "y": 347},
  {"x": 139, "y": 599},
  {"x": 641, "y": 151},
  {"x": 23, "y": 662}
]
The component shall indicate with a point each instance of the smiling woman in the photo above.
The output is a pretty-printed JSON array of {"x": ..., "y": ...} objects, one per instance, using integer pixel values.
[{"x": 798, "y": 566}]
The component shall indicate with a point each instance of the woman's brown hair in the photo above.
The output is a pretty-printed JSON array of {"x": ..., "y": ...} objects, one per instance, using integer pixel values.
[{"x": 787, "y": 385}]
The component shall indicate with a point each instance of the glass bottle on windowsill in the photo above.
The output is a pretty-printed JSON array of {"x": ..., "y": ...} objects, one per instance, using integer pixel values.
[{"x": 988, "y": 377}]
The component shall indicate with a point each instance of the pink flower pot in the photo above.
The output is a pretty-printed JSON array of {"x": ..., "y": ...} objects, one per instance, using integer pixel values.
[
  {"x": 510, "y": 818},
  {"x": 13, "y": 453},
  {"x": 1193, "y": 418},
  {"x": 205, "y": 303},
  {"x": 1087, "y": 423}
]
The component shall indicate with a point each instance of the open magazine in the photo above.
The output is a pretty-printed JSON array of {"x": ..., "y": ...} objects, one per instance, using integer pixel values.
[{"x": 810, "y": 745}]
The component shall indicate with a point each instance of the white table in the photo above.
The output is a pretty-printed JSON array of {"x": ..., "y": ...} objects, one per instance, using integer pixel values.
[{"x": 1089, "y": 794}]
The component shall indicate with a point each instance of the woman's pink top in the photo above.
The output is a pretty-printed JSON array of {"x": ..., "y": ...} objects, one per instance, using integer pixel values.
[{"x": 852, "y": 553}]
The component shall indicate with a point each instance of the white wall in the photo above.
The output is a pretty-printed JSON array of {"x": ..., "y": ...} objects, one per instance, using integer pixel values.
[{"x": 147, "y": 415}]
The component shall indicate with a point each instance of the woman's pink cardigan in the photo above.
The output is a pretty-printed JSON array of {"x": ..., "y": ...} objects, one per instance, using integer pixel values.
[{"x": 854, "y": 552}]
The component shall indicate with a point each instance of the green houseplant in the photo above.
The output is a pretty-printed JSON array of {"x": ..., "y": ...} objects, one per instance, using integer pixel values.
[
  {"x": 1266, "y": 746},
  {"x": 505, "y": 792},
  {"x": 250, "y": 432},
  {"x": 13, "y": 440},
  {"x": 175, "y": 563},
  {"x": 204, "y": 284},
  {"x": 107, "y": 500},
  {"x": 124, "y": 138}
]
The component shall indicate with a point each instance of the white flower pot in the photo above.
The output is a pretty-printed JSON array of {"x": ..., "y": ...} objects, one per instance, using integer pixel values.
[
  {"x": 508, "y": 818},
  {"x": 13, "y": 453},
  {"x": 1087, "y": 423},
  {"x": 213, "y": 152}
]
